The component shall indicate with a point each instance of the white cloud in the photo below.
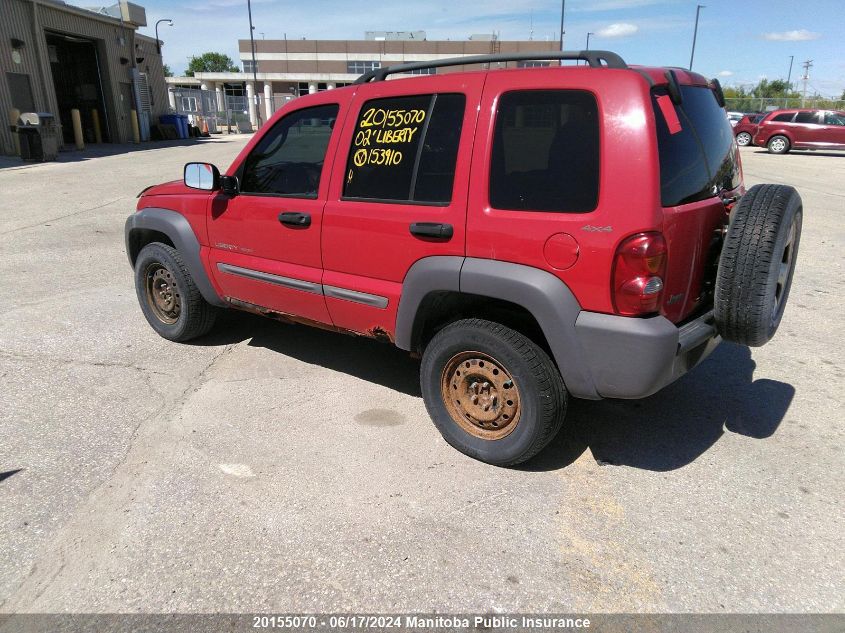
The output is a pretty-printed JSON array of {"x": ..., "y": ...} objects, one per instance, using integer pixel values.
[
  {"x": 726, "y": 73},
  {"x": 801, "y": 35},
  {"x": 620, "y": 29}
]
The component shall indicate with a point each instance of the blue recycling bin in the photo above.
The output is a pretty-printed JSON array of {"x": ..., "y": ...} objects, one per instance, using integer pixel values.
[
  {"x": 183, "y": 126},
  {"x": 179, "y": 121}
]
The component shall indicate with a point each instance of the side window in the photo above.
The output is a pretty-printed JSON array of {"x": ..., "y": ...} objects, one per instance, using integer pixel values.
[
  {"x": 807, "y": 117},
  {"x": 288, "y": 161},
  {"x": 783, "y": 118},
  {"x": 546, "y": 152},
  {"x": 833, "y": 118},
  {"x": 404, "y": 149}
]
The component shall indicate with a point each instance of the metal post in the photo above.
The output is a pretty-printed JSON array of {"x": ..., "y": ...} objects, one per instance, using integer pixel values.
[
  {"x": 589, "y": 33},
  {"x": 158, "y": 41},
  {"x": 252, "y": 46},
  {"x": 695, "y": 33}
]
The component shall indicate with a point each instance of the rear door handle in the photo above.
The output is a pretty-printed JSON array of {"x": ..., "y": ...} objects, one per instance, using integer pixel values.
[
  {"x": 432, "y": 230},
  {"x": 294, "y": 218}
]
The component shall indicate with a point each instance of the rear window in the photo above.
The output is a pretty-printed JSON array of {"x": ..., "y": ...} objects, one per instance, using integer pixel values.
[
  {"x": 546, "y": 152},
  {"x": 698, "y": 156}
]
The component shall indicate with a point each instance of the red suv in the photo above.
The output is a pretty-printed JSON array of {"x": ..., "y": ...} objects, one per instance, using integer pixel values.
[
  {"x": 783, "y": 130},
  {"x": 532, "y": 233},
  {"x": 746, "y": 128}
]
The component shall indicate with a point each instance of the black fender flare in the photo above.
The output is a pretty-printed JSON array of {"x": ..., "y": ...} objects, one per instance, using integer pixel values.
[
  {"x": 177, "y": 228},
  {"x": 545, "y": 296}
]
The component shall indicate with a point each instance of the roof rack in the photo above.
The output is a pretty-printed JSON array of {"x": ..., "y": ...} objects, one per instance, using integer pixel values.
[{"x": 595, "y": 59}]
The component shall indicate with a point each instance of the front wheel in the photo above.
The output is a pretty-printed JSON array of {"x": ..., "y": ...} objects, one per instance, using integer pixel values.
[
  {"x": 778, "y": 145},
  {"x": 169, "y": 298},
  {"x": 493, "y": 393},
  {"x": 743, "y": 139}
]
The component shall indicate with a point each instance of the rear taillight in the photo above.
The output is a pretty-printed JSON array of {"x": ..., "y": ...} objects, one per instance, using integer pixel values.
[{"x": 638, "y": 271}]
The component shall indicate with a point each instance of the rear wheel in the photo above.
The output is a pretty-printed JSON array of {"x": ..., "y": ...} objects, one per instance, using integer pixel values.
[
  {"x": 743, "y": 139},
  {"x": 492, "y": 393},
  {"x": 778, "y": 145},
  {"x": 757, "y": 264},
  {"x": 169, "y": 298}
]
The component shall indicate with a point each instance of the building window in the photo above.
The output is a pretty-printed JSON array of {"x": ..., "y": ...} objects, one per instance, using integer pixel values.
[
  {"x": 421, "y": 71},
  {"x": 360, "y": 67},
  {"x": 546, "y": 152},
  {"x": 532, "y": 64},
  {"x": 248, "y": 68},
  {"x": 391, "y": 161},
  {"x": 189, "y": 104}
]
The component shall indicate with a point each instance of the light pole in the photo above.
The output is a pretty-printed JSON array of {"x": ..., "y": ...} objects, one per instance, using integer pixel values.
[
  {"x": 589, "y": 33},
  {"x": 158, "y": 41},
  {"x": 562, "y": 7},
  {"x": 695, "y": 33},
  {"x": 789, "y": 76},
  {"x": 254, "y": 70}
]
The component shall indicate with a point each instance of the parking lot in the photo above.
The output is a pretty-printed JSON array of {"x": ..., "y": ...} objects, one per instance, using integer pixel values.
[{"x": 273, "y": 467}]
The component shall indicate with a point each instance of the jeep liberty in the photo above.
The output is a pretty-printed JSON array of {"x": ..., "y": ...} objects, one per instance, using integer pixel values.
[{"x": 534, "y": 234}]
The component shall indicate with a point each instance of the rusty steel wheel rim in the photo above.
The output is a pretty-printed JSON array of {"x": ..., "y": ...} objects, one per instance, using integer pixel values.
[
  {"x": 163, "y": 293},
  {"x": 480, "y": 395}
]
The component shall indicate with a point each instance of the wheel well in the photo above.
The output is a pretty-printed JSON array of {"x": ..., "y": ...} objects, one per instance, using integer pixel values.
[
  {"x": 439, "y": 309},
  {"x": 139, "y": 238}
]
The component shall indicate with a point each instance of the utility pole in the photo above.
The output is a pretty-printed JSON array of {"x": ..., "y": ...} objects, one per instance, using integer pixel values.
[
  {"x": 695, "y": 33},
  {"x": 807, "y": 66}
]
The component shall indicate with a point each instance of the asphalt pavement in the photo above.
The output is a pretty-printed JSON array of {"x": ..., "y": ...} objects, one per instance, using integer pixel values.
[{"x": 273, "y": 467}]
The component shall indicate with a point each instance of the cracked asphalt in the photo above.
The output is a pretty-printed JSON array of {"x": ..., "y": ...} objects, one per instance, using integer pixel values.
[{"x": 271, "y": 467}]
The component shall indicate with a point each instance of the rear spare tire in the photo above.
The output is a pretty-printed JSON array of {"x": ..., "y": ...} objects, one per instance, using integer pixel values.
[{"x": 757, "y": 264}]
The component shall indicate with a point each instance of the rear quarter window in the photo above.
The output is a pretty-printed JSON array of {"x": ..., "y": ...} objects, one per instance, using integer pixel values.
[{"x": 546, "y": 152}]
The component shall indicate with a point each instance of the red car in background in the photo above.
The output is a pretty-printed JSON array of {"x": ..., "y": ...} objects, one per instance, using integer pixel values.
[
  {"x": 746, "y": 128},
  {"x": 782, "y": 130}
]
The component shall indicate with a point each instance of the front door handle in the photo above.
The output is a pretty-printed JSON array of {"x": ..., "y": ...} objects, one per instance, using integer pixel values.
[
  {"x": 432, "y": 230},
  {"x": 294, "y": 218}
]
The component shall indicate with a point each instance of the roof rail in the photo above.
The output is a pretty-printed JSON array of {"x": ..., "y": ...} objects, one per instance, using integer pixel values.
[{"x": 593, "y": 58}]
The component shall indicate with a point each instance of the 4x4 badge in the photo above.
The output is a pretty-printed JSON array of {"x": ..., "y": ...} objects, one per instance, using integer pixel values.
[{"x": 597, "y": 229}]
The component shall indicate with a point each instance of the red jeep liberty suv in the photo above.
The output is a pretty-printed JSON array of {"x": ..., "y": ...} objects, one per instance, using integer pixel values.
[{"x": 533, "y": 233}]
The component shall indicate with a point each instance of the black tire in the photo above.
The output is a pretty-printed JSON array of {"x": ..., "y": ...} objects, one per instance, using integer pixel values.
[
  {"x": 778, "y": 144},
  {"x": 743, "y": 139},
  {"x": 194, "y": 316},
  {"x": 541, "y": 396},
  {"x": 757, "y": 264}
]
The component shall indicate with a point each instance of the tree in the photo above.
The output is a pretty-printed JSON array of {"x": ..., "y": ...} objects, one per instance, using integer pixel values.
[
  {"x": 775, "y": 88},
  {"x": 842, "y": 98},
  {"x": 211, "y": 63},
  {"x": 167, "y": 71}
]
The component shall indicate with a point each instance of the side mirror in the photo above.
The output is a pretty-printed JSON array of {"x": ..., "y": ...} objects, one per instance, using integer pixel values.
[
  {"x": 229, "y": 185},
  {"x": 204, "y": 176}
]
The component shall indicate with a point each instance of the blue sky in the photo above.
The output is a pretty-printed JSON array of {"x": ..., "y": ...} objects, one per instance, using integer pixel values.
[{"x": 739, "y": 42}]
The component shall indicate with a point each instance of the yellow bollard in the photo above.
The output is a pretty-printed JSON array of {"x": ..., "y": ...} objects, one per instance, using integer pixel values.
[
  {"x": 136, "y": 130},
  {"x": 77, "y": 129},
  {"x": 98, "y": 135},
  {"x": 14, "y": 115}
]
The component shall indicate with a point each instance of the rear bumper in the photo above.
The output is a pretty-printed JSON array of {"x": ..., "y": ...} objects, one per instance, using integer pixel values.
[{"x": 634, "y": 358}]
